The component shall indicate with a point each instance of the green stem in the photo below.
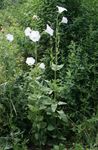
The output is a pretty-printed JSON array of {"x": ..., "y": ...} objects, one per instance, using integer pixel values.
[
  {"x": 56, "y": 52},
  {"x": 56, "y": 47},
  {"x": 35, "y": 54}
]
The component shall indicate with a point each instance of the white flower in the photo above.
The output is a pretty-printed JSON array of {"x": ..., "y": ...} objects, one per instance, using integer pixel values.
[
  {"x": 49, "y": 30},
  {"x": 42, "y": 66},
  {"x": 61, "y": 9},
  {"x": 27, "y": 31},
  {"x": 35, "y": 17},
  {"x": 10, "y": 37},
  {"x": 34, "y": 36},
  {"x": 30, "y": 61},
  {"x": 64, "y": 20}
]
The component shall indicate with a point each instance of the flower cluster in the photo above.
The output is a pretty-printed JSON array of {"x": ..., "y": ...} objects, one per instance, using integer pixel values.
[
  {"x": 30, "y": 61},
  {"x": 32, "y": 34},
  {"x": 60, "y": 10},
  {"x": 35, "y": 36}
]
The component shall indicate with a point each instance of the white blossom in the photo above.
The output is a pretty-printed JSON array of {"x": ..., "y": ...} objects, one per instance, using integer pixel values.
[
  {"x": 10, "y": 37},
  {"x": 27, "y": 31},
  {"x": 30, "y": 61},
  {"x": 61, "y": 9},
  {"x": 49, "y": 30},
  {"x": 42, "y": 66},
  {"x": 34, "y": 36},
  {"x": 64, "y": 20},
  {"x": 35, "y": 17}
]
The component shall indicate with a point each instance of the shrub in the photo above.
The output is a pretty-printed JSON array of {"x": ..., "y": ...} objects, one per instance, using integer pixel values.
[{"x": 56, "y": 106}]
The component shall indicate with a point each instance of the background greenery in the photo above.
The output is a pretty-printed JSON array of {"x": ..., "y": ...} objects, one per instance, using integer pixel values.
[{"x": 29, "y": 116}]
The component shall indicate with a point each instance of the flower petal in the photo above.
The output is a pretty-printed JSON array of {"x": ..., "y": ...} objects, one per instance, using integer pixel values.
[
  {"x": 34, "y": 36},
  {"x": 49, "y": 30},
  {"x": 61, "y": 9},
  {"x": 27, "y": 31},
  {"x": 10, "y": 37},
  {"x": 30, "y": 61},
  {"x": 42, "y": 66},
  {"x": 64, "y": 20}
]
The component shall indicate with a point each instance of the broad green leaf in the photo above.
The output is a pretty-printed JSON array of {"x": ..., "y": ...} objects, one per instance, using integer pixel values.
[
  {"x": 54, "y": 107},
  {"x": 62, "y": 115},
  {"x": 50, "y": 127},
  {"x": 32, "y": 108},
  {"x": 56, "y": 67},
  {"x": 8, "y": 147}
]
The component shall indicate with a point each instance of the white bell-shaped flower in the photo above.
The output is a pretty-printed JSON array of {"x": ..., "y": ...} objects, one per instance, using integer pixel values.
[
  {"x": 10, "y": 37},
  {"x": 34, "y": 36},
  {"x": 42, "y": 66},
  {"x": 64, "y": 20},
  {"x": 27, "y": 31},
  {"x": 30, "y": 61},
  {"x": 61, "y": 9},
  {"x": 49, "y": 30}
]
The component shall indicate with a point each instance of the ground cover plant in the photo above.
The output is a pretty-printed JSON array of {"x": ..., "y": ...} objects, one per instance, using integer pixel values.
[{"x": 48, "y": 75}]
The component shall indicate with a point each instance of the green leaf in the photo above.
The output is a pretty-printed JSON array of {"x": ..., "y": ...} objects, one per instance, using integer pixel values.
[
  {"x": 32, "y": 108},
  {"x": 55, "y": 67},
  {"x": 8, "y": 147},
  {"x": 62, "y": 115},
  {"x": 61, "y": 103},
  {"x": 50, "y": 127},
  {"x": 54, "y": 107},
  {"x": 36, "y": 136}
]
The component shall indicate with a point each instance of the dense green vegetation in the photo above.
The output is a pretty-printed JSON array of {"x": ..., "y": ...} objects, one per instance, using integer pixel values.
[{"x": 52, "y": 107}]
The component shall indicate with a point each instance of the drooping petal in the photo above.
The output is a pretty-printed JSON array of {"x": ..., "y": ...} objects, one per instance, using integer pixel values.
[
  {"x": 49, "y": 30},
  {"x": 64, "y": 20},
  {"x": 61, "y": 9},
  {"x": 30, "y": 61}
]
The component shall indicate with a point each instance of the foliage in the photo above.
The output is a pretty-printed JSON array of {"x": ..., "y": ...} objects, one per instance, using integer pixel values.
[{"x": 56, "y": 107}]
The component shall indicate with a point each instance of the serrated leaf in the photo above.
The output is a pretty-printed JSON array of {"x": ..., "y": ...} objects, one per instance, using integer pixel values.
[{"x": 55, "y": 67}]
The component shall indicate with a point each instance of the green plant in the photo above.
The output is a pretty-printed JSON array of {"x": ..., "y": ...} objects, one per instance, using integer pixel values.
[
  {"x": 55, "y": 106},
  {"x": 59, "y": 147}
]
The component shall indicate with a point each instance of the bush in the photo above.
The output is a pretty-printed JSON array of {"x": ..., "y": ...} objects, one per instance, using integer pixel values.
[{"x": 54, "y": 107}]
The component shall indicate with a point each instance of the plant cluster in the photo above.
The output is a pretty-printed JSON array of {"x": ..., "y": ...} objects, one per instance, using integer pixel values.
[{"x": 48, "y": 81}]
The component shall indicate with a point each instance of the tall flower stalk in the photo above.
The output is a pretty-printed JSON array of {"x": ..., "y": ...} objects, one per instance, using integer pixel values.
[
  {"x": 55, "y": 66},
  {"x": 57, "y": 40}
]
